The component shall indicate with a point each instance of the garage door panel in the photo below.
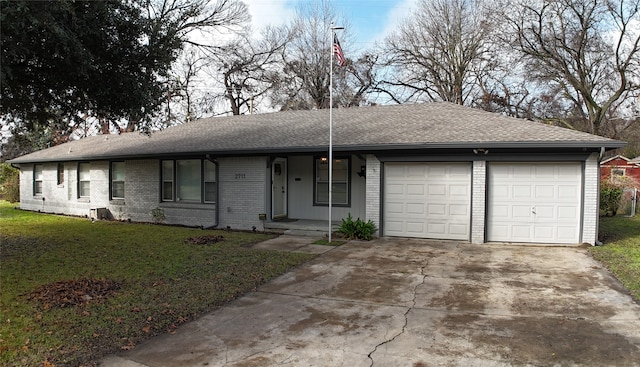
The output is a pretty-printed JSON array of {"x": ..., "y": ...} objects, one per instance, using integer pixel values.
[
  {"x": 441, "y": 191},
  {"x": 534, "y": 202},
  {"x": 437, "y": 209},
  {"x": 520, "y": 232},
  {"x": 459, "y": 209},
  {"x": 437, "y": 190},
  {"x": 461, "y": 191},
  {"x": 436, "y": 229},
  {"x": 415, "y": 208},
  {"x": 521, "y": 191},
  {"x": 395, "y": 208},
  {"x": 545, "y": 192},
  {"x": 394, "y": 189},
  {"x": 544, "y": 213},
  {"x": 415, "y": 189},
  {"x": 568, "y": 213},
  {"x": 415, "y": 227},
  {"x": 568, "y": 192},
  {"x": 521, "y": 211}
]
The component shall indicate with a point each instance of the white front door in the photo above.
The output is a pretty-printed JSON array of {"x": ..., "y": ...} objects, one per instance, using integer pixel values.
[
  {"x": 279, "y": 188},
  {"x": 427, "y": 200},
  {"x": 534, "y": 202}
]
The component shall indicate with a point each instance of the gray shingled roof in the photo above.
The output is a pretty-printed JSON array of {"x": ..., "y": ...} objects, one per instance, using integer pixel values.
[{"x": 362, "y": 129}]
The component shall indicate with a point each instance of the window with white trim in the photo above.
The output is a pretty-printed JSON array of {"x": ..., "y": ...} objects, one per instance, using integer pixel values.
[
  {"x": 84, "y": 180},
  {"x": 210, "y": 182},
  {"x": 617, "y": 172},
  {"x": 167, "y": 180},
  {"x": 117, "y": 180},
  {"x": 37, "y": 179},
  {"x": 340, "y": 182},
  {"x": 60, "y": 173},
  {"x": 189, "y": 180}
]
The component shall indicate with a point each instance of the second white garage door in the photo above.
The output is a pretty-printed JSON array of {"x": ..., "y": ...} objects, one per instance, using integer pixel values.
[
  {"x": 427, "y": 200},
  {"x": 534, "y": 202}
]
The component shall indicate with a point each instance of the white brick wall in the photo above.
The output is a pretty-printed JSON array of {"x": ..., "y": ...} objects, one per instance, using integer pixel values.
[
  {"x": 591, "y": 198},
  {"x": 242, "y": 192},
  {"x": 478, "y": 188},
  {"x": 373, "y": 192}
]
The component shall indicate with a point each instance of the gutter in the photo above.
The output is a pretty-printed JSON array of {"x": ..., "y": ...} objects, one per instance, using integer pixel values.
[{"x": 597, "y": 242}]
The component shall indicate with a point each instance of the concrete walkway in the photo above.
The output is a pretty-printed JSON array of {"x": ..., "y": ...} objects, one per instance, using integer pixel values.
[{"x": 416, "y": 303}]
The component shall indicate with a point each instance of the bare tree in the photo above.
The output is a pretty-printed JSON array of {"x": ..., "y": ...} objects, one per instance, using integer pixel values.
[
  {"x": 247, "y": 68},
  {"x": 183, "y": 93},
  {"x": 305, "y": 80},
  {"x": 586, "y": 50},
  {"x": 439, "y": 53}
]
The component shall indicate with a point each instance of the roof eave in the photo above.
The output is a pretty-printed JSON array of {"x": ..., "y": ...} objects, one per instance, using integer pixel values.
[{"x": 524, "y": 145}]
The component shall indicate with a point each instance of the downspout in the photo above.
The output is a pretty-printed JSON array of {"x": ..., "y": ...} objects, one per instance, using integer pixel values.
[
  {"x": 597, "y": 241},
  {"x": 215, "y": 161}
]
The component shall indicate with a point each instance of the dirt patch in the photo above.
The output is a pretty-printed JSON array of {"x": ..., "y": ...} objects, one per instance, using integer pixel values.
[
  {"x": 204, "y": 240},
  {"x": 74, "y": 292},
  {"x": 388, "y": 288},
  {"x": 326, "y": 319},
  {"x": 463, "y": 297},
  {"x": 549, "y": 341}
]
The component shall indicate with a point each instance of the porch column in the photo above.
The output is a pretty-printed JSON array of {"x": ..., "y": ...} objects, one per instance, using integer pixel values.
[{"x": 478, "y": 202}]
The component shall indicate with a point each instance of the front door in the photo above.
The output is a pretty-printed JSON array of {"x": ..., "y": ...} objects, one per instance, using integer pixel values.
[{"x": 279, "y": 188}]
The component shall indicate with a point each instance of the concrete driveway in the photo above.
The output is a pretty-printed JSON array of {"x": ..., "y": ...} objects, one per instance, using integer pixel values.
[{"x": 404, "y": 302}]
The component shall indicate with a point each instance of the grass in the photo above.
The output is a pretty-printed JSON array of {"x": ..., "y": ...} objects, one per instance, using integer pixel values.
[
  {"x": 621, "y": 250},
  {"x": 164, "y": 283},
  {"x": 325, "y": 242}
]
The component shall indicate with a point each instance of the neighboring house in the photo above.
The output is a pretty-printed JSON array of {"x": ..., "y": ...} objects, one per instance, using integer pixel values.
[
  {"x": 436, "y": 170},
  {"x": 621, "y": 166}
]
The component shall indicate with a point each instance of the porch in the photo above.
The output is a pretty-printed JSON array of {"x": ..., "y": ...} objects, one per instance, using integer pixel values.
[{"x": 301, "y": 227}]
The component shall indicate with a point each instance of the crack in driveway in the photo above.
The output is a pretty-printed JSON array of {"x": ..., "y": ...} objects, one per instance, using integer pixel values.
[{"x": 406, "y": 320}]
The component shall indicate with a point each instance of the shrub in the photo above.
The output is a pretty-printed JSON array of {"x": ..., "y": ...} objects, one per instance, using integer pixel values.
[
  {"x": 357, "y": 229},
  {"x": 157, "y": 215},
  {"x": 610, "y": 196},
  {"x": 9, "y": 183}
]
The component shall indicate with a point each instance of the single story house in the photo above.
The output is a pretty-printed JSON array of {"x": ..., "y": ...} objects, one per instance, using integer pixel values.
[
  {"x": 434, "y": 170},
  {"x": 621, "y": 166}
]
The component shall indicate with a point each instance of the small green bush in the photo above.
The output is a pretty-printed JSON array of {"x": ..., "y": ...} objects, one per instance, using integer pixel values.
[
  {"x": 357, "y": 229},
  {"x": 9, "y": 183},
  {"x": 158, "y": 215},
  {"x": 610, "y": 196}
]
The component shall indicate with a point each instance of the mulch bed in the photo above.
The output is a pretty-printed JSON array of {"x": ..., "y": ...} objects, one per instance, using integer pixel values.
[
  {"x": 75, "y": 292},
  {"x": 204, "y": 240}
]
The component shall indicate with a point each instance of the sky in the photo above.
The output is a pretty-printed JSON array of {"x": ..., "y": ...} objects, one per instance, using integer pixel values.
[{"x": 368, "y": 20}]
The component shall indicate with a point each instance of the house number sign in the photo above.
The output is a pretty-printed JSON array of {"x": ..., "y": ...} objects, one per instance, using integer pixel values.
[{"x": 240, "y": 176}]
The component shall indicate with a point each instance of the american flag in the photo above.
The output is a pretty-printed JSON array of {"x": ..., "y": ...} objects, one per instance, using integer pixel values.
[{"x": 338, "y": 51}]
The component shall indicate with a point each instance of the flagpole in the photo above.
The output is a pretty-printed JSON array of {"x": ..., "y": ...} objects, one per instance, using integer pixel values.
[{"x": 333, "y": 31}]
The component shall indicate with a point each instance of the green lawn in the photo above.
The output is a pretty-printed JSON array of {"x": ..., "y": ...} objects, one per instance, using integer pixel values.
[
  {"x": 162, "y": 282},
  {"x": 621, "y": 250}
]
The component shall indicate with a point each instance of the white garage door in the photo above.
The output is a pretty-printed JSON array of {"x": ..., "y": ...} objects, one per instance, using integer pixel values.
[
  {"x": 534, "y": 203},
  {"x": 427, "y": 200}
]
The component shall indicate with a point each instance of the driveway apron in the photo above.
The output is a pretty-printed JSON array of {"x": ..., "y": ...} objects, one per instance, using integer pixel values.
[{"x": 416, "y": 303}]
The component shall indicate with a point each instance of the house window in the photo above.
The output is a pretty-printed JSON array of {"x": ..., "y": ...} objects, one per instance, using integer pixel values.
[
  {"x": 167, "y": 180},
  {"x": 60, "y": 173},
  {"x": 617, "y": 172},
  {"x": 340, "y": 182},
  {"x": 84, "y": 179},
  {"x": 37, "y": 179},
  {"x": 117, "y": 180},
  {"x": 210, "y": 182},
  {"x": 189, "y": 180}
]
